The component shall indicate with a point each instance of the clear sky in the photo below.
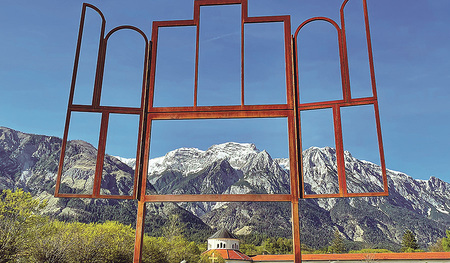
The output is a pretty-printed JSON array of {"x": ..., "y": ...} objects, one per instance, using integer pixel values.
[{"x": 411, "y": 47}]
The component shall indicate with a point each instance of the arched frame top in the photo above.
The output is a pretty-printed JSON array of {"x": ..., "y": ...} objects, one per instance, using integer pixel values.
[{"x": 105, "y": 111}]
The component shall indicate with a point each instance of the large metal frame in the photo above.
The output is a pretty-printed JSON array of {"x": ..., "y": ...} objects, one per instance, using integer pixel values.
[{"x": 291, "y": 110}]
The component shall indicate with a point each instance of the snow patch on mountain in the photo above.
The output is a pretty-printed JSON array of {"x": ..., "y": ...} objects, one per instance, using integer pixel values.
[
  {"x": 283, "y": 163},
  {"x": 192, "y": 160},
  {"x": 131, "y": 162}
]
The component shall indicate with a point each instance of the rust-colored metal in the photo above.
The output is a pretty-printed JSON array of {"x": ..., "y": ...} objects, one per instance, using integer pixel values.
[
  {"x": 96, "y": 107},
  {"x": 347, "y": 101},
  {"x": 291, "y": 110},
  {"x": 139, "y": 239}
]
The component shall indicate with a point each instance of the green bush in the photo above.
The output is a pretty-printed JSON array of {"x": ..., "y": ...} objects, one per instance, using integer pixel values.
[
  {"x": 446, "y": 242},
  {"x": 19, "y": 219},
  {"x": 27, "y": 236},
  {"x": 370, "y": 250}
]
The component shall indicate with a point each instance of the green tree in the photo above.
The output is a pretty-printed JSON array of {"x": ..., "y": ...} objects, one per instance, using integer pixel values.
[
  {"x": 337, "y": 244},
  {"x": 409, "y": 242},
  {"x": 19, "y": 218},
  {"x": 277, "y": 246},
  {"x": 177, "y": 249},
  {"x": 250, "y": 249},
  {"x": 173, "y": 227},
  {"x": 446, "y": 242},
  {"x": 152, "y": 252}
]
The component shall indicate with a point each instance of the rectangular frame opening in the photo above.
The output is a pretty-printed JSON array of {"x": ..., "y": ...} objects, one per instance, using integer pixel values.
[
  {"x": 186, "y": 160},
  {"x": 119, "y": 162},
  {"x": 361, "y": 147},
  {"x": 80, "y": 158},
  {"x": 320, "y": 172}
]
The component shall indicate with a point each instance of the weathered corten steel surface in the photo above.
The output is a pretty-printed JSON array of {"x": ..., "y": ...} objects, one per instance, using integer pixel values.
[{"x": 291, "y": 110}]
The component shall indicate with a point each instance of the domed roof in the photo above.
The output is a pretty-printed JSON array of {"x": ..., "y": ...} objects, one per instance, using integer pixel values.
[{"x": 223, "y": 233}]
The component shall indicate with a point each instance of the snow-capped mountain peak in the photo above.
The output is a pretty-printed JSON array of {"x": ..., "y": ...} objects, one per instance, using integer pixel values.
[{"x": 192, "y": 160}]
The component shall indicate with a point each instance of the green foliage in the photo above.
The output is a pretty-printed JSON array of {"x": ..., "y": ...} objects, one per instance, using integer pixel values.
[
  {"x": 173, "y": 227},
  {"x": 337, "y": 244},
  {"x": 26, "y": 236},
  {"x": 177, "y": 249},
  {"x": 446, "y": 242},
  {"x": 109, "y": 242},
  {"x": 152, "y": 252},
  {"x": 18, "y": 221},
  {"x": 268, "y": 246},
  {"x": 323, "y": 250},
  {"x": 410, "y": 250},
  {"x": 306, "y": 249},
  {"x": 78, "y": 242},
  {"x": 19, "y": 206},
  {"x": 370, "y": 251},
  {"x": 254, "y": 238},
  {"x": 278, "y": 246},
  {"x": 409, "y": 242},
  {"x": 251, "y": 249}
]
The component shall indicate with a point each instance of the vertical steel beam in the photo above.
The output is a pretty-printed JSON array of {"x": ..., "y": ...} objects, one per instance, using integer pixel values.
[
  {"x": 295, "y": 154},
  {"x": 296, "y": 231},
  {"x": 339, "y": 150},
  {"x": 141, "y": 180},
  {"x": 139, "y": 239},
  {"x": 100, "y": 154}
]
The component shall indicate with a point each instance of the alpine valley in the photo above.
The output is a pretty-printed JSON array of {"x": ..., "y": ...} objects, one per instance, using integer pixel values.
[{"x": 31, "y": 161}]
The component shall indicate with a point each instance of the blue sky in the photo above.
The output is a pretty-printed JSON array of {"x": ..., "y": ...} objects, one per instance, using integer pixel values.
[{"x": 411, "y": 47}]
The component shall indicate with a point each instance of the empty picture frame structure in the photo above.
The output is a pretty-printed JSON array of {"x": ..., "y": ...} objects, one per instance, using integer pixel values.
[{"x": 290, "y": 110}]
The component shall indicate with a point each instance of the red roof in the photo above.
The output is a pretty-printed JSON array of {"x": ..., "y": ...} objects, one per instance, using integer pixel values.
[
  {"x": 362, "y": 256},
  {"x": 230, "y": 254}
]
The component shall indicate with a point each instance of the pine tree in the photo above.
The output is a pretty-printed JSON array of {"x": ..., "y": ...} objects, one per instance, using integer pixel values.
[
  {"x": 409, "y": 242},
  {"x": 337, "y": 244}
]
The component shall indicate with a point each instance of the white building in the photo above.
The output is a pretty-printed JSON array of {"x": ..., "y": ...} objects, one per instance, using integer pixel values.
[
  {"x": 223, "y": 239},
  {"x": 225, "y": 244}
]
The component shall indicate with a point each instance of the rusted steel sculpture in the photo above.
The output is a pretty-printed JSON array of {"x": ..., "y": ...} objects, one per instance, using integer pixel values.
[{"x": 291, "y": 110}]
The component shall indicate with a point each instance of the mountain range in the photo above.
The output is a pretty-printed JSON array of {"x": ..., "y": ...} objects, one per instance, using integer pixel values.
[{"x": 30, "y": 162}]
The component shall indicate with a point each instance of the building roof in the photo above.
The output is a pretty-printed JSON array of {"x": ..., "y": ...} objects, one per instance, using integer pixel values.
[
  {"x": 230, "y": 254},
  {"x": 362, "y": 256},
  {"x": 223, "y": 233}
]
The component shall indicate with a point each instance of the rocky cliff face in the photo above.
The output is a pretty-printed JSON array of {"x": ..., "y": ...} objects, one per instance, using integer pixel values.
[
  {"x": 30, "y": 162},
  {"x": 229, "y": 168}
]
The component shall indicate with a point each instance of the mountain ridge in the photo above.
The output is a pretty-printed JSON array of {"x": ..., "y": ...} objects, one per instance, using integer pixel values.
[
  {"x": 30, "y": 162},
  {"x": 416, "y": 201}
]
